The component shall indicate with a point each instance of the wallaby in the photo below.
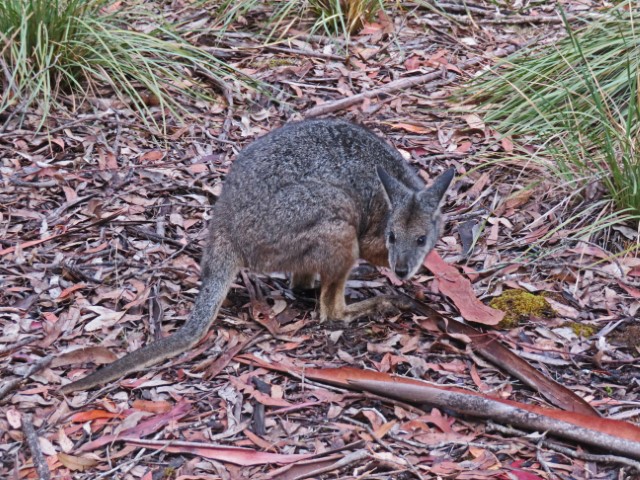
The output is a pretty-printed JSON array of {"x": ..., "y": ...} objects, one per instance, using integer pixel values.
[{"x": 308, "y": 198}]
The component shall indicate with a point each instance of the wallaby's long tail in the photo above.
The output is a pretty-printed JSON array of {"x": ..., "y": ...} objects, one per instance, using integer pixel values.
[{"x": 217, "y": 275}]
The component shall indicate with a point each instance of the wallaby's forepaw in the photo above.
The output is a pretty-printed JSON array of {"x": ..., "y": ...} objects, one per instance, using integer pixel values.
[
  {"x": 402, "y": 302},
  {"x": 377, "y": 307},
  {"x": 387, "y": 306}
]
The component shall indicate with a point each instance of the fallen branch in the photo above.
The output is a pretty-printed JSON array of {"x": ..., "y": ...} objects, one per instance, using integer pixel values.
[
  {"x": 400, "y": 84},
  {"x": 31, "y": 438}
]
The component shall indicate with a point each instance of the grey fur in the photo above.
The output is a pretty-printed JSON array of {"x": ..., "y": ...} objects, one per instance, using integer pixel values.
[{"x": 309, "y": 198}]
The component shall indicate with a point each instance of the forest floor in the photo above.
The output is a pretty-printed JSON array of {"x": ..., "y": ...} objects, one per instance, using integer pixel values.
[{"x": 102, "y": 223}]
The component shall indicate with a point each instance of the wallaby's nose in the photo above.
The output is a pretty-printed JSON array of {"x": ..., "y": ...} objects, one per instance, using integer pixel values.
[{"x": 401, "y": 272}]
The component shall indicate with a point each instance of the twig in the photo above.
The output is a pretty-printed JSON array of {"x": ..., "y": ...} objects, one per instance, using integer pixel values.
[
  {"x": 390, "y": 87},
  {"x": 294, "y": 34},
  {"x": 149, "y": 235},
  {"x": 55, "y": 215},
  {"x": 20, "y": 343},
  {"x": 464, "y": 8},
  {"x": 226, "y": 93},
  {"x": 11, "y": 385},
  {"x": 469, "y": 215},
  {"x": 140, "y": 455},
  {"x": 343, "y": 462},
  {"x": 443, "y": 156},
  {"x": 33, "y": 443},
  {"x": 591, "y": 457},
  {"x": 44, "y": 184},
  {"x": 396, "y": 85},
  {"x": 384, "y": 445},
  {"x": 321, "y": 39},
  {"x": 80, "y": 119},
  {"x": 541, "y": 460},
  {"x": 71, "y": 231},
  {"x": 519, "y": 20},
  {"x": 306, "y": 53},
  {"x": 534, "y": 19},
  {"x": 492, "y": 447}
]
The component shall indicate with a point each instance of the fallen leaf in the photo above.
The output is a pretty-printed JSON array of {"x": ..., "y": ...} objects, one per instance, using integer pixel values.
[
  {"x": 458, "y": 288},
  {"x": 633, "y": 291},
  {"x": 145, "y": 427},
  {"x": 159, "y": 406},
  {"x": 69, "y": 290},
  {"x": 75, "y": 463},
  {"x": 94, "y": 415},
  {"x": 517, "y": 199},
  {"x": 14, "y": 418},
  {"x": 106, "y": 318},
  {"x": 507, "y": 144},
  {"x": 235, "y": 455},
  {"x": 474, "y": 121},
  {"x": 412, "y": 63},
  {"x": 152, "y": 156},
  {"x": 97, "y": 355},
  {"x": 412, "y": 128}
]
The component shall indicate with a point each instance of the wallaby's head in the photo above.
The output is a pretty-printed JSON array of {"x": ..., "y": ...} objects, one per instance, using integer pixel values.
[{"x": 414, "y": 221}]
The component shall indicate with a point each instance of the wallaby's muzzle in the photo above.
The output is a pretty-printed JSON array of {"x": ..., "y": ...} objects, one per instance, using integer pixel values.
[{"x": 401, "y": 272}]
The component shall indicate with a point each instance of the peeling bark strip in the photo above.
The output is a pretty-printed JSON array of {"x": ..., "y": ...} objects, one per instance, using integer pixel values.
[
  {"x": 400, "y": 84},
  {"x": 31, "y": 437}
]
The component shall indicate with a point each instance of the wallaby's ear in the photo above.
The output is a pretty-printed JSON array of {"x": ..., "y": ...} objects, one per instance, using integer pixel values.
[
  {"x": 433, "y": 195},
  {"x": 393, "y": 189}
]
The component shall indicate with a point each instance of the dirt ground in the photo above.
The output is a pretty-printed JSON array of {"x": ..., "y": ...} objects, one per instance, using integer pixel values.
[{"x": 102, "y": 223}]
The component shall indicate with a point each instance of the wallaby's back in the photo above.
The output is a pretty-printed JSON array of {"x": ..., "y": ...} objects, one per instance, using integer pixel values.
[
  {"x": 331, "y": 151},
  {"x": 292, "y": 180}
]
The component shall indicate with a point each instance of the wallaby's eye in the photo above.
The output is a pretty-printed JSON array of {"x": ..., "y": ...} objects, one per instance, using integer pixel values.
[
  {"x": 422, "y": 240},
  {"x": 392, "y": 237}
]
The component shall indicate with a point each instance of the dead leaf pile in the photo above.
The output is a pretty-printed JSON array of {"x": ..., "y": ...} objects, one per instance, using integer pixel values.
[{"x": 102, "y": 223}]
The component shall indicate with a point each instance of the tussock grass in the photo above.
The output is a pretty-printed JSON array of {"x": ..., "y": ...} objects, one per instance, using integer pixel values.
[
  {"x": 579, "y": 97},
  {"x": 345, "y": 16},
  {"x": 335, "y": 17},
  {"x": 57, "y": 50}
]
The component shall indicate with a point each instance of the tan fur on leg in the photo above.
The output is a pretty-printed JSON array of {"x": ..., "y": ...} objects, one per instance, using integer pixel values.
[{"x": 303, "y": 281}]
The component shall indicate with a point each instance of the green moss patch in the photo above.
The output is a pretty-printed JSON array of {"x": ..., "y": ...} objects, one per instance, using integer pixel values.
[
  {"x": 581, "y": 330},
  {"x": 519, "y": 306}
]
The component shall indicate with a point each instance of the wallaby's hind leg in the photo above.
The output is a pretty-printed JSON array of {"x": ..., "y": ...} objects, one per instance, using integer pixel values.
[
  {"x": 303, "y": 281},
  {"x": 332, "y": 305},
  {"x": 333, "y": 279}
]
